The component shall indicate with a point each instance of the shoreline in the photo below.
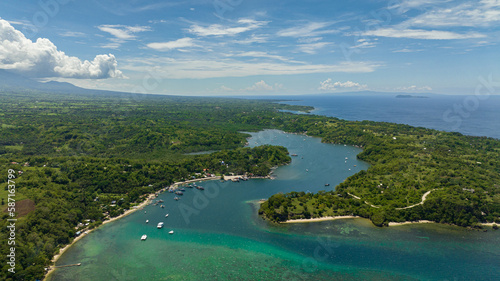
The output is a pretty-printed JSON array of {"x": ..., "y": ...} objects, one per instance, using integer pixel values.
[
  {"x": 56, "y": 257},
  {"x": 143, "y": 204},
  {"x": 322, "y": 219},
  {"x": 330, "y": 218}
]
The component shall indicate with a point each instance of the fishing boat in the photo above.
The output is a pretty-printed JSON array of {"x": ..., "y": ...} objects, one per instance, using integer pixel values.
[
  {"x": 200, "y": 187},
  {"x": 144, "y": 237},
  {"x": 160, "y": 201},
  {"x": 182, "y": 189},
  {"x": 178, "y": 192},
  {"x": 160, "y": 225},
  {"x": 176, "y": 198},
  {"x": 171, "y": 232}
]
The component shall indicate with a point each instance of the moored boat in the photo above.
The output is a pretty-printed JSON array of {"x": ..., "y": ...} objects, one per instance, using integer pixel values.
[
  {"x": 171, "y": 232},
  {"x": 160, "y": 225},
  {"x": 144, "y": 237}
]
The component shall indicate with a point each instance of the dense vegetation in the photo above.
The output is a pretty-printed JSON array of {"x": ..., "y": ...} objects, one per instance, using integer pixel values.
[
  {"x": 462, "y": 174},
  {"x": 85, "y": 151},
  {"x": 78, "y": 153}
]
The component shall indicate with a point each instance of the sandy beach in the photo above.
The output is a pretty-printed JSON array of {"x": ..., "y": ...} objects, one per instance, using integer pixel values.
[
  {"x": 126, "y": 213},
  {"x": 321, "y": 219},
  {"x": 409, "y": 222},
  {"x": 149, "y": 199}
]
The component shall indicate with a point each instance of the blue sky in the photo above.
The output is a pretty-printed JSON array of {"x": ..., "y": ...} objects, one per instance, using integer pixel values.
[{"x": 253, "y": 47}]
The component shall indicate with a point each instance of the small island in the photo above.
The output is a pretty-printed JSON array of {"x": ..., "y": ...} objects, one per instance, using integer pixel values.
[{"x": 411, "y": 97}]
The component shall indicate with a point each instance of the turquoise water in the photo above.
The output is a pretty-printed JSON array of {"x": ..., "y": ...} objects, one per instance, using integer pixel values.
[{"x": 218, "y": 235}]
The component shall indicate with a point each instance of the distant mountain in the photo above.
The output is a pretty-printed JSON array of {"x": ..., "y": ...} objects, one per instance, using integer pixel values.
[{"x": 14, "y": 82}]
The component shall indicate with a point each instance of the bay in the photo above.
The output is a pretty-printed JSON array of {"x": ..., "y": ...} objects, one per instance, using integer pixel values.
[{"x": 218, "y": 235}]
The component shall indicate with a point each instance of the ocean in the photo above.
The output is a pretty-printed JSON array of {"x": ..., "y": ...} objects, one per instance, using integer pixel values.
[
  {"x": 468, "y": 115},
  {"x": 219, "y": 236}
]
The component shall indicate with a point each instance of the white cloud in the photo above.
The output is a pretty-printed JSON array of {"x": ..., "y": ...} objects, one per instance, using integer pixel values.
[
  {"x": 121, "y": 33},
  {"x": 253, "y": 39},
  {"x": 42, "y": 59},
  {"x": 208, "y": 68},
  {"x": 421, "y": 34},
  {"x": 257, "y": 54},
  {"x": 414, "y": 88},
  {"x": 72, "y": 34},
  {"x": 327, "y": 85},
  {"x": 471, "y": 14},
  {"x": 313, "y": 47},
  {"x": 311, "y": 29},
  {"x": 220, "y": 30},
  {"x": 365, "y": 43},
  {"x": 225, "y": 89},
  {"x": 177, "y": 44},
  {"x": 406, "y": 50},
  {"x": 262, "y": 86},
  {"x": 406, "y": 5}
]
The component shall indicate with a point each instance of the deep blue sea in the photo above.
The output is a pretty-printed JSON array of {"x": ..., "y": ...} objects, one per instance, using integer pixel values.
[{"x": 468, "y": 115}]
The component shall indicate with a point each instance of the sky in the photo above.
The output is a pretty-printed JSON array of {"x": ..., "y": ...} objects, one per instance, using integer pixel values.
[{"x": 254, "y": 47}]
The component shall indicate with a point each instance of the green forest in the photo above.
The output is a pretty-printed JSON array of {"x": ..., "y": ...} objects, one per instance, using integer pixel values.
[
  {"x": 461, "y": 174},
  {"x": 74, "y": 154}
]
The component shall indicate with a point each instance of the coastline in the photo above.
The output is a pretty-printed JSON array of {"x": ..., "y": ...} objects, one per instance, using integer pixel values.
[
  {"x": 146, "y": 202},
  {"x": 358, "y": 217},
  {"x": 409, "y": 222},
  {"x": 321, "y": 219},
  {"x": 56, "y": 257}
]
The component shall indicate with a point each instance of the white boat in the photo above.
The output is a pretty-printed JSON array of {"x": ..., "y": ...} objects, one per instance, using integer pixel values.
[
  {"x": 171, "y": 232},
  {"x": 144, "y": 237},
  {"x": 166, "y": 215},
  {"x": 160, "y": 225},
  {"x": 147, "y": 221}
]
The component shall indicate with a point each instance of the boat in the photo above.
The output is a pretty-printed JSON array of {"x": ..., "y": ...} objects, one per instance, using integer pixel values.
[
  {"x": 182, "y": 189},
  {"x": 160, "y": 225},
  {"x": 327, "y": 184},
  {"x": 171, "y": 232},
  {"x": 171, "y": 190},
  {"x": 162, "y": 206},
  {"x": 160, "y": 201},
  {"x": 166, "y": 215},
  {"x": 147, "y": 221},
  {"x": 178, "y": 192},
  {"x": 200, "y": 187},
  {"x": 294, "y": 155},
  {"x": 176, "y": 198},
  {"x": 144, "y": 237}
]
